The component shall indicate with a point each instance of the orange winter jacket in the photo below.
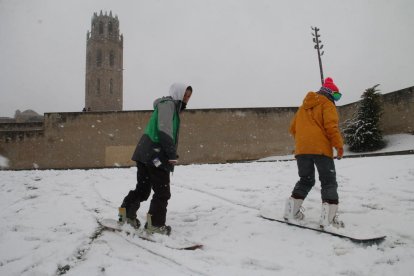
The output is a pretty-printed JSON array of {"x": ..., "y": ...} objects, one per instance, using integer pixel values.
[{"x": 315, "y": 126}]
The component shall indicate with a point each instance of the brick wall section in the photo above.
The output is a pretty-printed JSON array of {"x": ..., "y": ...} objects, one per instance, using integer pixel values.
[{"x": 107, "y": 139}]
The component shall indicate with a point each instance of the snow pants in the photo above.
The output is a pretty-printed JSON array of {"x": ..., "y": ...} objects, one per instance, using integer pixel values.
[
  {"x": 149, "y": 177},
  {"x": 327, "y": 176}
]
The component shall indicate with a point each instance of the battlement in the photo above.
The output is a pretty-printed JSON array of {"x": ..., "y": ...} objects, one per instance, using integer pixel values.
[
  {"x": 104, "y": 26},
  {"x": 16, "y": 132},
  {"x": 19, "y": 136}
]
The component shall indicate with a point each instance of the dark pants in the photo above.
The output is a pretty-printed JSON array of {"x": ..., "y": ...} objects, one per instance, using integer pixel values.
[
  {"x": 149, "y": 177},
  {"x": 327, "y": 176}
]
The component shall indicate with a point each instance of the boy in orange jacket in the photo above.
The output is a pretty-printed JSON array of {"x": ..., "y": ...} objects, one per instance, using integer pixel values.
[{"x": 316, "y": 132}]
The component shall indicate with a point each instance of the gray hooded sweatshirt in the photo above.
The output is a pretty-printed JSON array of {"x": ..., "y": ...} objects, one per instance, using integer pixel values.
[{"x": 160, "y": 139}]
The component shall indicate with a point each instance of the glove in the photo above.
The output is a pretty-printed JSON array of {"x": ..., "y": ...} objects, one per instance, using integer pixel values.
[
  {"x": 340, "y": 153},
  {"x": 174, "y": 161}
]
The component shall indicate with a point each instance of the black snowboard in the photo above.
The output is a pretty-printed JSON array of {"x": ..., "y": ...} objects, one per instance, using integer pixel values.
[
  {"x": 114, "y": 225},
  {"x": 374, "y": 239}
]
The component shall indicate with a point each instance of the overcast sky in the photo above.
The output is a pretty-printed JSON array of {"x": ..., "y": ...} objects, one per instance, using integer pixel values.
[{"x": 235, "y": 53}]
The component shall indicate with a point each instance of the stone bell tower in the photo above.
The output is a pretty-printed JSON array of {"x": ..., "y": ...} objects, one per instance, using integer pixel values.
[{"x": 104, "y": 55}]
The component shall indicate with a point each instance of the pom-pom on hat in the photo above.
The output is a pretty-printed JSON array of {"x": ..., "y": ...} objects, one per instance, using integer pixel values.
[{"x": 330, "y": 85}]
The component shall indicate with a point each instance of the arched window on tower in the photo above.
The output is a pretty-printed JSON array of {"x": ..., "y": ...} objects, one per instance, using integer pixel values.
[
  {"x": 99, "y": 58},
  {"x": 111, "y": 58},
  {"x": 110, "y": 27},
  {"x": 111, "y": 86},
  {"x": 101, "y": 27},
  {"x": 98, "y": 86}
]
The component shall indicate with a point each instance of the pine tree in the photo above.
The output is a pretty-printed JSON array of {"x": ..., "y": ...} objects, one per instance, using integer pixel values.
[{"x": 362, "y": 132}]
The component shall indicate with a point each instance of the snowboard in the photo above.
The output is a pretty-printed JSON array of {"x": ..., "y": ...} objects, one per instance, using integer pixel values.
[
  {"x": 341, "y": 233},
  {"x": 114, "y": 225}
]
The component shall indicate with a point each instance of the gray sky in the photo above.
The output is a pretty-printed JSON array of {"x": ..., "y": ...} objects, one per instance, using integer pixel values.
[{"x": 235, "y": 53}]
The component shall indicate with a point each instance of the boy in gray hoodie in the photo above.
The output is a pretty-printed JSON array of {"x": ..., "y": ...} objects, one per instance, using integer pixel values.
[{"x": 156, "y": 155}]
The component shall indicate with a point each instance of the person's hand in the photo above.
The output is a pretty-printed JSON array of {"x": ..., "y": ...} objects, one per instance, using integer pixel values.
[
  {"x": 339, "y": 153},
  {"x": 173, "y": 162}
]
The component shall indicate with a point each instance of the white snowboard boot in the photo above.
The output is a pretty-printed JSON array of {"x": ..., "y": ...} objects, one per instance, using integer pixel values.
[
  {"x": 122, "y": 218},
  {"x": 150, "y": 229},
  {"x": 329, "y": 216},
  {"x": 293, "y": 209}
]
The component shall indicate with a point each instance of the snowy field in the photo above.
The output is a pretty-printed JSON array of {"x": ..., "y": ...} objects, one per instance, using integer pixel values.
[
  {"x": 48, "y": 222},
  {"x": 395, "y": 142}
]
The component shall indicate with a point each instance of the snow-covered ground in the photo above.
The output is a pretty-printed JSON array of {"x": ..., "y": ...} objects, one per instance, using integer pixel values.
[
  {"x": 4, "y": 162},
  {"x": 395, "y": 142},
  {"x": 48, "y": 222}
]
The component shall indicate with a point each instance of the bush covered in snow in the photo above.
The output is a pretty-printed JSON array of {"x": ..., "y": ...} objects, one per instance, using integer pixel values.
[{"x": 362, "y": 132}]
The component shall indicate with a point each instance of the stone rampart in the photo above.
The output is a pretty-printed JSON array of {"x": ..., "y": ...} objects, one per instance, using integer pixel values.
[{"x": 107, "y": 139}]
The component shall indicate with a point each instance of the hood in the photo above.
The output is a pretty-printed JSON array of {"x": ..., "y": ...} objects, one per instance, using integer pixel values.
[
  {"x": 177, "y": 91},
  {"x": 313, "y": 99}
]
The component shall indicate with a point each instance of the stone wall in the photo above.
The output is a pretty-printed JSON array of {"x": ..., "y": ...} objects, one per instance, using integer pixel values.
[
  {"x": 107, "y": 139},
  {"x": 398, "y": 116}
]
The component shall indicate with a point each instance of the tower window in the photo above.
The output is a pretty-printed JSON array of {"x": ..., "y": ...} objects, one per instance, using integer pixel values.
[
  {"x": 99, "y": 58},
  {"x": 98, "y": 86},
  {"x": 111, "y": 86},
  {"x": 111, "y": 58},
  {"x": 110, "y": 27},
  {"x": 101, "y": 27}
]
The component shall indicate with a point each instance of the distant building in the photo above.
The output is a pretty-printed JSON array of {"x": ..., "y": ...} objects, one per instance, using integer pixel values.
[
  {"x": 104, "y": 64},
  {"x": 27, "y": 116}
]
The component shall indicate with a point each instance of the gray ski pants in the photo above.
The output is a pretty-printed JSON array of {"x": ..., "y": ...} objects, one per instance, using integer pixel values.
[{"x": 327, "y": 175}]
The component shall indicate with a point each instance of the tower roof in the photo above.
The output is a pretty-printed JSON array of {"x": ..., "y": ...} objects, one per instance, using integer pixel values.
[{"x": 101, "y": 15}]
